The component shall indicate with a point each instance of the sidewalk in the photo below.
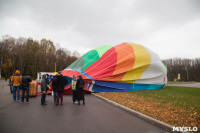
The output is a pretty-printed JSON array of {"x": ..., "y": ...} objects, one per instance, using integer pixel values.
[{"x": 195, "y": 85}]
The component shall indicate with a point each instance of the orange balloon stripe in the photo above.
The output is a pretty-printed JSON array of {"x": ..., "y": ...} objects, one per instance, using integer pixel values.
[
  {"x": 125, "y": 58},
  {"x": 125, "y": 62}
]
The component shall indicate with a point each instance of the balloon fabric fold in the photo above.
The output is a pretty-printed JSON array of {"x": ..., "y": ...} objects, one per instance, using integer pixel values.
[{"x": 124, "y": 67}]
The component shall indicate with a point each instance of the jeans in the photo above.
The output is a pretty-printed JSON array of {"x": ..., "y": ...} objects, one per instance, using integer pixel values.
[
  {"x": 54, "y": 95},
  {"x": 11, "y": 88},
  {"x": 43, "y": 98},
  {"x": 25, "y": 89},
  {"x": 16, "y": 88}
]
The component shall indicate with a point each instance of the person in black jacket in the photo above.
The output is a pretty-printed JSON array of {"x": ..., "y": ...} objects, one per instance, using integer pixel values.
[
  {"x": 61, "y": 82},
  {"x": 44, "y": 89},
  {"x": 79, "y": 90},
  {"x": 25, "y": 83},
  {"x": 54, "y": 81}
]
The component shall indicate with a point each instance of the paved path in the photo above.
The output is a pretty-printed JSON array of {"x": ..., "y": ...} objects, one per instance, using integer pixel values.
[
  {"x": 96, "y": 116},
  {"x": 196, "y": 85}
]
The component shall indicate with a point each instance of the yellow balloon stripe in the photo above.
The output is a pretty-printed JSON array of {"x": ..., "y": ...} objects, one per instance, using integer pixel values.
[{"x": 142, "y": 62}]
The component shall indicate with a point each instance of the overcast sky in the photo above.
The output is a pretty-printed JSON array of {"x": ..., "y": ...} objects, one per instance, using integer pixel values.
[{"x": 170, "y": 28}]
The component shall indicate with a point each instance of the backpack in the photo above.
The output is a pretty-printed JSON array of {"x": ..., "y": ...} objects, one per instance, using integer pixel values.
[{"x": 81, "y": 84}]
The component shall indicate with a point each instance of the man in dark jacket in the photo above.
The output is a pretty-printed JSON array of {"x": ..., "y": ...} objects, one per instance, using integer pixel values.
[
  {"x": 25, "y": 83},
  {"x": 61, "y": 82},
  {"x": 44, "y": 89},
  {"x": 79, "y": 90},
  {"x": 54, "y": 81}
]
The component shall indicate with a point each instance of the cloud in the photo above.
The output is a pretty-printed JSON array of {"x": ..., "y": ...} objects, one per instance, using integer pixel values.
[
  {"x": 166, "y": 27},
  {"x": 178, "y": 41}
]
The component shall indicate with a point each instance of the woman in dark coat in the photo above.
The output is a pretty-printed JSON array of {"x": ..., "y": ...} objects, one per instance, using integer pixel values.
[{"x": 79, "y": 90}]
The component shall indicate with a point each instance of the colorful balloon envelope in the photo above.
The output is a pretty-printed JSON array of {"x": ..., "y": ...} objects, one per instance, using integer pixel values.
[{"x": 124, "y": 67}]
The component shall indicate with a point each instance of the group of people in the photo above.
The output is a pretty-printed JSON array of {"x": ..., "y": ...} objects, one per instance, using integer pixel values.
[
  {"x": 17, "y": 81},
  {"x": 58, "y": 83}
]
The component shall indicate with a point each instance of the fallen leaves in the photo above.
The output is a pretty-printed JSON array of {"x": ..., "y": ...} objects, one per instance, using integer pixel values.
[{"x": 174, "y": 113}]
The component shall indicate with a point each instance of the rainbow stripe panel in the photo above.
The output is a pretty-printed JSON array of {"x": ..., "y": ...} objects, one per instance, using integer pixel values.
[{"x": 124, "y": 67}]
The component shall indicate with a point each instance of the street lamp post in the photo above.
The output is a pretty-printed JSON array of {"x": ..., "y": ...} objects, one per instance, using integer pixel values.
[{"x": 55, "y": 67}]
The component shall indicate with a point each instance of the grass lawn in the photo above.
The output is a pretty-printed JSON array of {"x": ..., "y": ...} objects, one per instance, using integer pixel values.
[{"x": 177, "y": 106}]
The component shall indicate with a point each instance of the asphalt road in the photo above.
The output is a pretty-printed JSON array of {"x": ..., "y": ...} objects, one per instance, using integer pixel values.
[
  {"x": 195, "y": 85},
  {"x": 96, "y": 116}
]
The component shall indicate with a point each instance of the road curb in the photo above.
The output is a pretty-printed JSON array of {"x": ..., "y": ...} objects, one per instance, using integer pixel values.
[{"x": 151, "y": 120}]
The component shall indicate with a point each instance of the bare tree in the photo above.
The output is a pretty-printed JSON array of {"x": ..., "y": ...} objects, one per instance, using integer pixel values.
[
  {"x": 189, "y": 69},
  {"x": 32, "y": 56}
]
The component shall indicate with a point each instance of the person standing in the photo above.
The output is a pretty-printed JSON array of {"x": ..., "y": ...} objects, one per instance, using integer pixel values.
[
  {"x": 16, "y": 80},
  {"x": 44, "y": 89},
  {"x": 48, "y": 83},
  {"x": 73, "y": 86},
  {"x": 79, "y": 90},
  {"x": 49, "y": 80},
  {"x": 61, "y": 82},
  {"x": 11, "y": 84},
  {"x": 54, "y": 81},
  {"x": 25, "y": 83},
  {"x": 6, "y": 77}
]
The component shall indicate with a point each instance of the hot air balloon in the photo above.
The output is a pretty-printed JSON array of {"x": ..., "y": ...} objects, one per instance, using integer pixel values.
[{"x": 124, "y": 67}]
